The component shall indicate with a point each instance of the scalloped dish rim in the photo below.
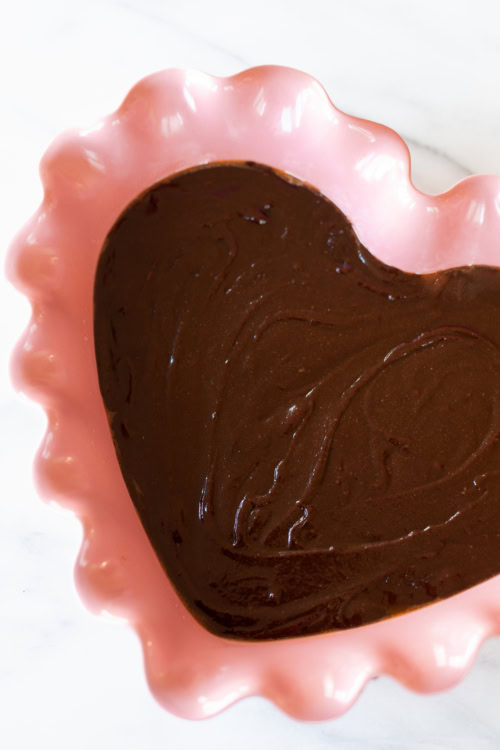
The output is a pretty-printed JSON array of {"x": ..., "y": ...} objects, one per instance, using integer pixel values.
[{"x": 169, "y": 121}]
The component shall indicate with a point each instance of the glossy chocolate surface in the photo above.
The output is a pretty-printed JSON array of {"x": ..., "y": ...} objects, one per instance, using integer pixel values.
[{"x": 311, "y": 438}]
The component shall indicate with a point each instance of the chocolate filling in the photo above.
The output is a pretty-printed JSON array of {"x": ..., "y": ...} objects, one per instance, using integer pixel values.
[{"x": 311, "y": 438}]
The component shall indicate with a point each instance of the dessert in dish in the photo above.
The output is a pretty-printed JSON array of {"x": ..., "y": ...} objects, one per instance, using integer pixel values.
[
  {"x": 285, "y": 407},
  {"x": 170, "y": 122}
]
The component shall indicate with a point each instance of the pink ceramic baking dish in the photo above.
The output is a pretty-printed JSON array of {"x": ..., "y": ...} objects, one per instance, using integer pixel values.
[{"x": 170, "y": 121}]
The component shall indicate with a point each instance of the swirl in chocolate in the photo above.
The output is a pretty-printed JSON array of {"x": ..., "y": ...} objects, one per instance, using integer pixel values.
[{"x": 310, "y": 437}]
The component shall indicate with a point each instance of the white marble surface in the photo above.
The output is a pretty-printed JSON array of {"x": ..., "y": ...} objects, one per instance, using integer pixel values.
[{"x": 428, "y": 68}]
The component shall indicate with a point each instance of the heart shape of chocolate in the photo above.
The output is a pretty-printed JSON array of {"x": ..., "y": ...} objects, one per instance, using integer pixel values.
[{"x": 311, "y": 438}]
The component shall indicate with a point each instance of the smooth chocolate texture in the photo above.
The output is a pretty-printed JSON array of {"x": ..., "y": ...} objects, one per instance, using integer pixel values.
[{"x": 311, "y": 438}]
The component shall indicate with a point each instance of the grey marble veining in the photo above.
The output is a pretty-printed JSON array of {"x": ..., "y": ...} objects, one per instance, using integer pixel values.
[{"x": 428, "y": 69}]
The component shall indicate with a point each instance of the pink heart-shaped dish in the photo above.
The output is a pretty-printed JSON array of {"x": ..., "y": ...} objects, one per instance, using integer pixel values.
[{"x": 171, "y": 121}]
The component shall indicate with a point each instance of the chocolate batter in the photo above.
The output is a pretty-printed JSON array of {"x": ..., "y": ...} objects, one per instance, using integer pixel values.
[{"x": 310, "y": 437}]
